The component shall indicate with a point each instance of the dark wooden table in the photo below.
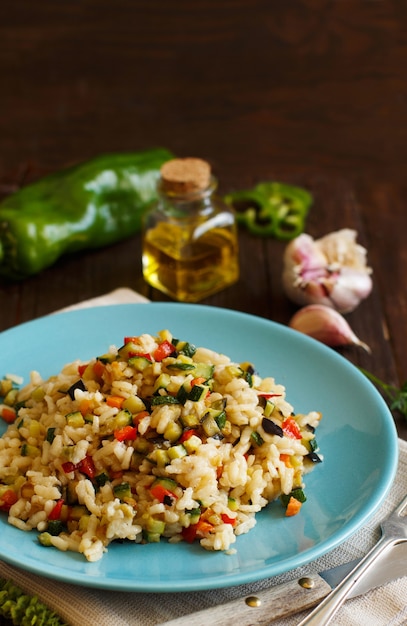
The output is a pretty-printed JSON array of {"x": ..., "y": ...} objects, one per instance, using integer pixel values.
[
  {"x": 310, "y": 92},
  {"x": 307, "y": 92}
]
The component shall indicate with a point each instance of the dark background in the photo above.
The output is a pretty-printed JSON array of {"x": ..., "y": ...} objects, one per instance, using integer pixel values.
[{"x": 302, "y": 91}]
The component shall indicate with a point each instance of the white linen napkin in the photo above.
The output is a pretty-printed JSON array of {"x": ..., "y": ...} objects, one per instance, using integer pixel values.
[{"x": 80, "y": 606}]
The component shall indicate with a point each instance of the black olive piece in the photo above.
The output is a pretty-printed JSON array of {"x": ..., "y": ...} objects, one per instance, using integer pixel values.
[
  {"x": 313, "y": 456},
  {"x": 271, "y": 427},
  {"x": 78, "y": 385}
]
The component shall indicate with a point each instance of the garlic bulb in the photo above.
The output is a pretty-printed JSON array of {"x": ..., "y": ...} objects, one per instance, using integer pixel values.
[
  {"x": 330, "y": 271},
  {"x": 326, "y": 325}
]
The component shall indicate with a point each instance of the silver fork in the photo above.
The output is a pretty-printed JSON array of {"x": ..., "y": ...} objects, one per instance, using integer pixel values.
[{"x": 394, "y": 530}]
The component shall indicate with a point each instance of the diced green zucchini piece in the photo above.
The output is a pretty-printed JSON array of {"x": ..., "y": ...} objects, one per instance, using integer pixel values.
[
  {"x": 190, "y": 420},
  {"x": 159, "y": 400},
  {"x": 139, "y": 363},
  {"x": 162, "y": 382},
  {"x": 75, "y": 419},
  {"x": 38, "y": 394},
  {"x": 167, "y": 483},
  {"x": 183, "y": 392},
  {"x": 183, "y": 347},
  {"x": 152, "y": 537},
  {"x": 11, "y": 397},
  {"x": 161, "y": 457},
  {"x": 233, "y": 504},
  {"x": 29, "y": 450},
  {"x": 218, "y": 415},
  {"x": 297, "y": 493},
  {"x": 123, "y": 418},
  {"x": 122, "y": 491},
  {"x": 256, "y": 438},
  {"x": 268, "y": 408},
  {"x": 5, "y": 386},
  {"x": 198, "y": 392},
  {"x": 226, "y": 428},
  {"x": 177, "y": 452},
  {"x": 180, "y": 366},
  {"x": 155, "y": 526},
  {"x": 192, "y": 444},
  {"x": 109, "y": 357},
  {"x": 209, "y": 425},
  {"x": 234, "y": 371},
  {"x": 134, "y": 404},
  {"x": 195, "y": 514},
  {"x": 219, "y": 405},
  {"x": 101, "y": 479},
  {"x": 173, "y": 431},
  {"x": 142, "y": 445},
  {"x": 204, "y": 370},
  {"x": 55, "y": 527},
  {"x": 50, "y": 436}
]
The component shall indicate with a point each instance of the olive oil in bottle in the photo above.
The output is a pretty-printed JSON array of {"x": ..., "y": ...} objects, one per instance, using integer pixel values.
[{"x": 190, "y": 243}]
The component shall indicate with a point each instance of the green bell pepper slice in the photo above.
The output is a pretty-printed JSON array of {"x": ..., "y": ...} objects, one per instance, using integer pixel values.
[
  {"x": 90, "y": 205},
  {"x": 272, "y": 209}
]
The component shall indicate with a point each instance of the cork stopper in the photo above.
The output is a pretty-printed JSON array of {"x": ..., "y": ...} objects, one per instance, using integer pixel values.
[{"x": 185, "y": 176}]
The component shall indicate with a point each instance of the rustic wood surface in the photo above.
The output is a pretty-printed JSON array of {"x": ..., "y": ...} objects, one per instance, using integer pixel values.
[{"x": 310, "y": 92}]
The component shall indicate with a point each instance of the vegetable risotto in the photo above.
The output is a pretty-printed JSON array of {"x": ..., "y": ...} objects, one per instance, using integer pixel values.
[{"x": 155, "y": 439}]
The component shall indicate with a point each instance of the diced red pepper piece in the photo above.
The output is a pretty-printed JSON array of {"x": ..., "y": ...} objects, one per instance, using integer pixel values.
[
  {"x": 164, "y": 349},
  {"x": 189, "y": 534},
  {"x": 8, "y": 414},
  {"x": 131, "y": 340},
  {"x": 160, "y": 493},
  {"x": 55, "y": 514},
  {"x": 98, "y": 368},
  {"x": 228, "y": 520},
  {"x": 68, "y": 467},
  {"x": 87, "y": 466},
  {"x": 8, "y": 498},
  {"x": 144, "y": 355},
  {"x": 187, "y": 434},
  {"x": 291, "y": 428},
  {"x": 127, "y": 433},
  {"x": 196, "y": 530},
  {"x": 82, "y": 368},
  {"x": 267, "y": 394}
]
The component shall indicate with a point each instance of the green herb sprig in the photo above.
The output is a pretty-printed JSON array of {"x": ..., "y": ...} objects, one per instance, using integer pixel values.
[
  {"x": 395, "y": 396},
  {"x": 23, "y": 609}
]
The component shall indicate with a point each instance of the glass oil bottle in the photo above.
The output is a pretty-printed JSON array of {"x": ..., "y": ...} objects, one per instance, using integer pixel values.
[{"x": 190, "y": 241}]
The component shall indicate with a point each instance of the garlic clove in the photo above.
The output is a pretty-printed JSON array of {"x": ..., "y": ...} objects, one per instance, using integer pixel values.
[
  {"x": 326, "y": 325},
  {"x": 330, "y": 271},
  {"x": 350, "y": 287}
]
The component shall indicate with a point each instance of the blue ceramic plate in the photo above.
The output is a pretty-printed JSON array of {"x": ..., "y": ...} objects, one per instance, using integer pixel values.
[{"x": 356, "y": 436}]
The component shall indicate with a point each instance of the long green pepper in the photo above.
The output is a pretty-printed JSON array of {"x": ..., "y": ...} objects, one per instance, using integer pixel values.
[{"x": 89, "y": 205}]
